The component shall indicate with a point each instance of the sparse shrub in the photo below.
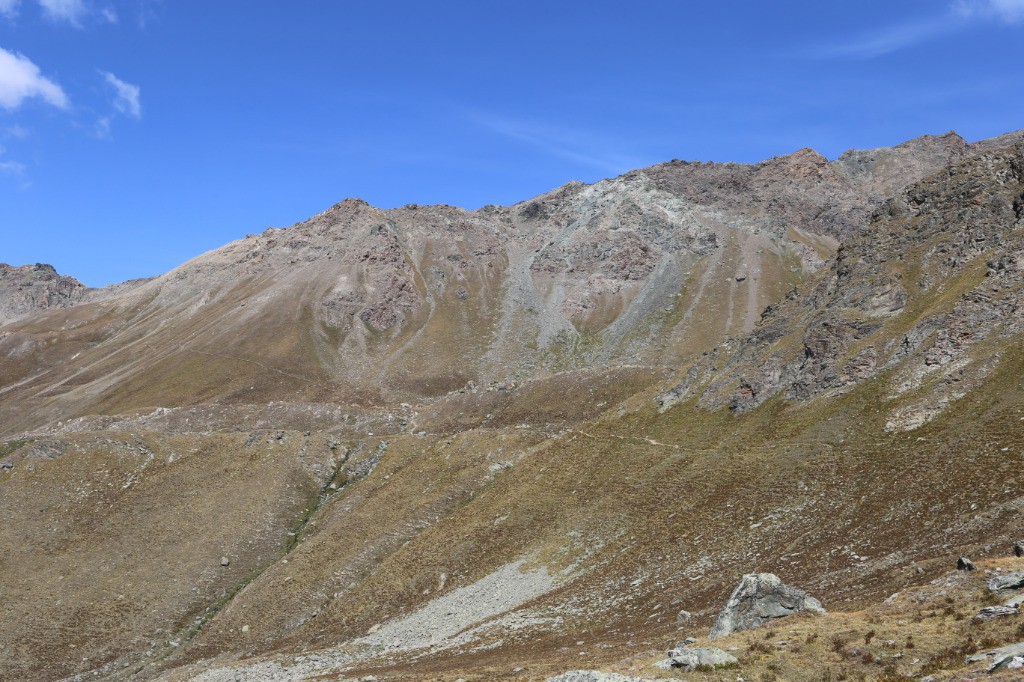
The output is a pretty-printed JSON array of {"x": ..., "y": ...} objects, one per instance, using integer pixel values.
[
  {"x": 811, "y": 637},
  {"x": 910, "y": 642},
  {"x": 949, "y": 658},
  {"x": 868, "y": 636},
  {"x": 759, "y": 648}
]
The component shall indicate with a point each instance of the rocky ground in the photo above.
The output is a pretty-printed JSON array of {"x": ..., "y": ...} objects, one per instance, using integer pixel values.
[{"x": 429, "y": 443}]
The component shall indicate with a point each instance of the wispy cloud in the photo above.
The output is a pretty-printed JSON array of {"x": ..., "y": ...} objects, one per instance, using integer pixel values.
[
  {"x": 20, "y": 79},
  {"x": 13, "y": 170},
  {"x": 956, "y": 17},
  {"x": 890, "y": 39},
  {"x": 126, "y": 95},
  {"x": 9, "y": 8},
  {"x": 572, "y": 145},
  {"x": 1007, "y": 11},
  {"x": 71, "y": 11}
]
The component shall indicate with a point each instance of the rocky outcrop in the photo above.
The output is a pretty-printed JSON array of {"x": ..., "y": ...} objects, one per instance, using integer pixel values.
[
  {"x": 758, "y": 599},
  {"x": 1006, "y": 582},
  {"x": 34, "y": 288},
  {"x": 1010, "y": 657},
  {"x": 965, "y": 283}
]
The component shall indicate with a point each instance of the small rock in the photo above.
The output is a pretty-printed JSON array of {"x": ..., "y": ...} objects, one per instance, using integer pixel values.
[
  {"x": 964, "y": 564},
  {"x": 1018, "y": 548},
  {"x": 683, "y": 616},
  {"x": 245, "y": 628},
  {"x": 691, "y": 659},
  {"x": 593, "y": 676},
  {"x": 1009, "y": 581},
  {"x": 224, "y": 561}
]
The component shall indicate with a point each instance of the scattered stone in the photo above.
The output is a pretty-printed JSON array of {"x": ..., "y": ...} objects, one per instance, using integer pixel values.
[
  {"x": 1018, "y": 548},
  {"x": 964, "y": 564},
  {"x": 1009, "y": 581},
  {"x": 594, "y": 676},
  {"x": 683, "y": 616},
  {"x": 698, "y": 657},
  {"x": 990, "y": 612},
  {"x": 224, "y": 561},
  {"x": 759, "y": 598}
]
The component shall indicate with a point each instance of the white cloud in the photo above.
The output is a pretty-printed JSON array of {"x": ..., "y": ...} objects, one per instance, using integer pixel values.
[
  {"x": 109, "y": 14},
  {"x": 1009, "y": 11},
  {"x": 70, "y": 11},
  {"x": 20, "y": 79},
  {"x": 126, "y": 98},
  {"x": 9, "y": 8}
]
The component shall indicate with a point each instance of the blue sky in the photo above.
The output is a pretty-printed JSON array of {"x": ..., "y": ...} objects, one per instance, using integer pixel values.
[{"x": 136, "y": 134}]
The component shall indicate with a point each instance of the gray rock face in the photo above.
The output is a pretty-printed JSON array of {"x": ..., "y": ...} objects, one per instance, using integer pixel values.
[
  {"x": 31, "y": 288},
  {"x": 698, "y": 657},
  {"x": 759, "y": 598},
  {"x": 1009, "y": 581},
  {"x": 964, "y": 564}
]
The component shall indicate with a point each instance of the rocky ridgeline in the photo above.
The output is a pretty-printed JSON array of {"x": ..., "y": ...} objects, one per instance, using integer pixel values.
[{"x": 948, "y": 248}]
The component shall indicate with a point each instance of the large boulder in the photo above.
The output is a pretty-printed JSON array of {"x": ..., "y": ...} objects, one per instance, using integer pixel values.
[{"x": 759, "y": 598}]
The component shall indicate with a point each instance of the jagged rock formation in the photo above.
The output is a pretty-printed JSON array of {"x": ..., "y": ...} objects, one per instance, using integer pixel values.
[
  {"x": 430, "y": 440},
  {"x": 33, "y": 288},
  {"x": 759, "y": 598}
]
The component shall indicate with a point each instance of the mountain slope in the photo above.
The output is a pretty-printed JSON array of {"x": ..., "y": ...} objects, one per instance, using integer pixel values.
[{"x": 439, "y": 444}]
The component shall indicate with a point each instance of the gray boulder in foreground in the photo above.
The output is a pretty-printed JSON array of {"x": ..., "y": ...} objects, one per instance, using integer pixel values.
[
  {"x": 698, "y": 657},
  {"x": 759, "y": 598}
]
